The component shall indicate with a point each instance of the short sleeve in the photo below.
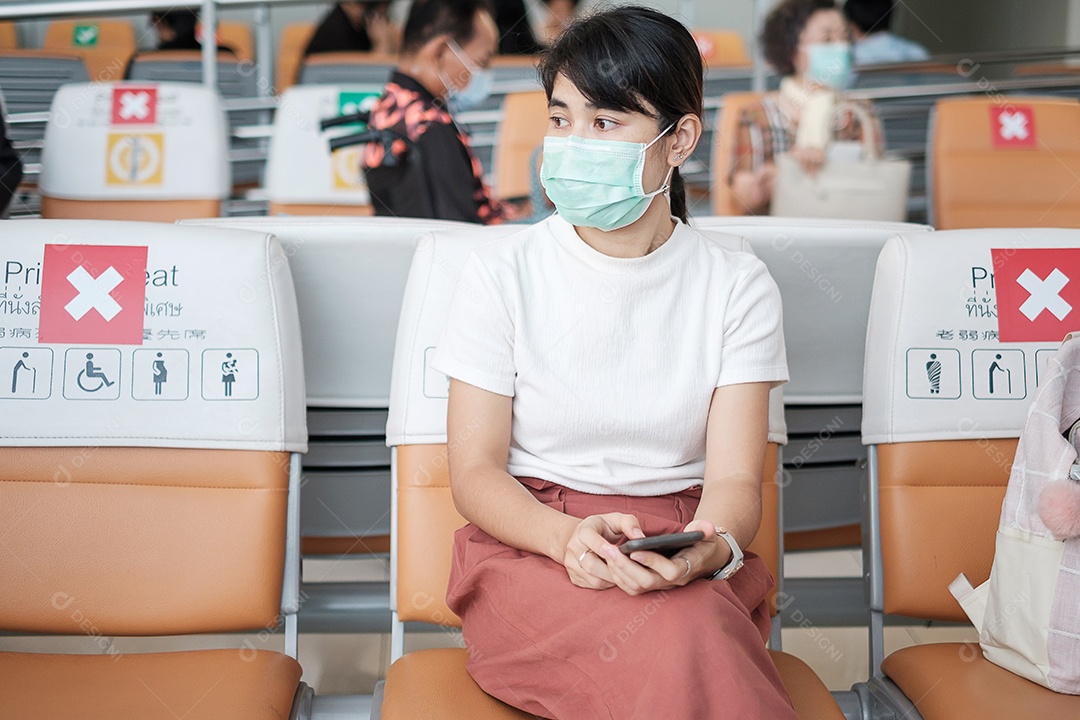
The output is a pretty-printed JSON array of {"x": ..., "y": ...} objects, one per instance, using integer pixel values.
[
  {"x": 477, "y": 343},
  {"x": 753, "y": 349}
]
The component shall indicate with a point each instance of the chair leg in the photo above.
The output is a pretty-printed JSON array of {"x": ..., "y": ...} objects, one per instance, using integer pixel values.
[
  {"x": 301, "y": 708},
  {"x": 376, "y": 701},
  {"x": 850, "y": 704},
  {"x": 881, "y": 699}
]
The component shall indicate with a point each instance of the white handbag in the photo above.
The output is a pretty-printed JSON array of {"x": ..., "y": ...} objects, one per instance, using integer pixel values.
[
  {"x": 1027, "y": 612},
  {"x": 867, "y": 188}
]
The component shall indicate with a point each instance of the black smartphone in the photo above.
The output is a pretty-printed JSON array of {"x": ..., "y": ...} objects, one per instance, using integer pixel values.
[{"x": 666, "y": 545}]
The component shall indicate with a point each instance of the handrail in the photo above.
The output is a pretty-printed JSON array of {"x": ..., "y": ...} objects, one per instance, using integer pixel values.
[
  {"x": 58, "y": 8},
  {"x": 963, "y": 88},
  {"x": 984, "y": 57}
]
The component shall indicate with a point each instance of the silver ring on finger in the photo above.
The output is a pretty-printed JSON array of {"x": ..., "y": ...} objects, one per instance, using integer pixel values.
[
  {"x": 582, "y": 555},
  {"x": 689, "y": 567}
]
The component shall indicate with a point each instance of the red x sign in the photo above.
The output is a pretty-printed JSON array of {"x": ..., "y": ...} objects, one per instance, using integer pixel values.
[
  {"x": 1038, "y": 293},
  {"x": 134, "y": 105},
  {"x": 92, "y": 294},
  {"x": 1013, "y": 126}
]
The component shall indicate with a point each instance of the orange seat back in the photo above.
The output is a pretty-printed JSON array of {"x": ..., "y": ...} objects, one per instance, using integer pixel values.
[
  {"x": 723, "y": 151},
  {"x": 290, "y": 53},
  {"x": 521, "y": 132},
  {"x": 8, "y": 38},
  {"x": 514, "y": 61},
  {"x": 149, "y": 211},
  {"x": 236, "y": 36},
  {"x": 940, "y": 507},
  {"x": 129, "y": 541},
  {"x": 722, "y": 48},
  {"x": 321, "y": 210},
  {"x": 989, "y": 168},
  {"x": 106, "y": 45},
  {"x": 1046, "y": 68}
]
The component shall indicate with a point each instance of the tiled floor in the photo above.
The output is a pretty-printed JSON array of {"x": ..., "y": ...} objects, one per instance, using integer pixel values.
[{"x": 352, "y": 664}]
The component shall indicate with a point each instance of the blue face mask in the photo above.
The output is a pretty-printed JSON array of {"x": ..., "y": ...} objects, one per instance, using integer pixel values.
[
  {"x": 597, "y": 183},
  {"x": 830, "y": 64},
  {"x": 476, "y": 91}
]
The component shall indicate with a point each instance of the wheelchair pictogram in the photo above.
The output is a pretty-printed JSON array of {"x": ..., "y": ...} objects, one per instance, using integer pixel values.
[{"x": 92, "y": 374}]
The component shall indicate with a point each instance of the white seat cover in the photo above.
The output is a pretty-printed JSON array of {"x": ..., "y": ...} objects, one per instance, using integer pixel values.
[
  {"x": 136, "y": 141},
  {"x": 350, "y": 278},
  {"x": 825, "y": 271},
  {"x": 148, "y": 335},
  {"x": 935, "y": 367},
  {"x": 300, "y": 169}
]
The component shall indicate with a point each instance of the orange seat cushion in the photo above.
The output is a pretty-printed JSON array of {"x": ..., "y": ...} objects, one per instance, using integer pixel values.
[
  {"x": 205, "y": 684},
  {"x": 953, "y": 681},
  {"x": 808, "y": 694},
  {"x": 434, "y": 685}
]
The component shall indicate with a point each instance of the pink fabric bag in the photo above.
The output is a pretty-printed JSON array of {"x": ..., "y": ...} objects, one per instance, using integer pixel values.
[{"x": 1028, "y": 612}]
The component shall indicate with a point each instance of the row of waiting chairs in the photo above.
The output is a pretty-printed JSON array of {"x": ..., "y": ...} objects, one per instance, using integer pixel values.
[
  {"x": 105, "y": 43},
  {"x": 177, "y": 170},
  {"x": 991, "y": 164},
  {"x": 104, "y": 40},
  {"x": 924, "y": 444}
]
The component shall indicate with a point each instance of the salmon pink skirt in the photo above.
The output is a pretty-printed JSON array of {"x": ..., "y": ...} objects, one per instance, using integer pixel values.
[{"x": 540, "y": 643}]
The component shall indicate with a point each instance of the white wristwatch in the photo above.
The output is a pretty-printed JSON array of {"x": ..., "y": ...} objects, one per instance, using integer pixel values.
[{"x": 736, "y": 561}]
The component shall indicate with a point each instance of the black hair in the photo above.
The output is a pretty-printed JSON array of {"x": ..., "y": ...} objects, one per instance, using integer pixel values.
[
  {"x": 430, "y": 18},
  {"x": 628, "y": 57},
  {"x": 869, "y": 15},
  {"x": 783, "y": 26},
  {"x": 181, "y": 21}
]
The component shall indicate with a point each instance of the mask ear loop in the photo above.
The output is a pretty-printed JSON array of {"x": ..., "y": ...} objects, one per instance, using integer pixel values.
[
  {"x": 665, "y": 187},
  {"x": 662, "y": 134}
]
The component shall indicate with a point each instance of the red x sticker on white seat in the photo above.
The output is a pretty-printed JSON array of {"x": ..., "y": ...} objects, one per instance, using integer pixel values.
[
  {"x": 1038, "y": 293},
  {"x": 93, "y": 294},
  {"x": 134, "y": 105}
]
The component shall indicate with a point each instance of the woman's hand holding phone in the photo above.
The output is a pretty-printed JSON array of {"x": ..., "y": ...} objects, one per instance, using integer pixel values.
[
  {"x": 584, "y": 558},
  {"x": 593, "y": 560},
  {"x": 649, "y": 571}
]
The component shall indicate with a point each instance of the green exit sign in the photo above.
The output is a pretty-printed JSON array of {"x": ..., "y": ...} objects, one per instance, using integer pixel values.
[
  {"x": 86, "y": 35},
  {"x": 352, "y": 102}
]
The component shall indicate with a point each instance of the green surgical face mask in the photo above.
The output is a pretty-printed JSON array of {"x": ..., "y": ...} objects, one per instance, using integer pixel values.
[{"x": 597, "y": 183}]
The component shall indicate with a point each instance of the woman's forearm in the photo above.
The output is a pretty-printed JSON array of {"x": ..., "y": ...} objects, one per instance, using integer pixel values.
[
  {"x": 499, "y": 505},
  {"x": 732, "y": 506}
]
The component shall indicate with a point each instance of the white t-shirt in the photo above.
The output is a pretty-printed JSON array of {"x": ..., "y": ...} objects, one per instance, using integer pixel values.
[{"x": 611, "y": 362}]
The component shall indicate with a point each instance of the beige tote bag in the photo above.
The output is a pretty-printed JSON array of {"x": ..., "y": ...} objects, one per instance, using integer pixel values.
[{"x": 866, "y": 188}]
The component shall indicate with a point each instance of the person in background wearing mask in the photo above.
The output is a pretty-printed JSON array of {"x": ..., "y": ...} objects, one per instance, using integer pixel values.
[
  {"x": 445, "y": 53},
  {"x": 561, "y": 445},
  {"x": 356, "y": 26},
  {"x": 807, "y": 43},
  {"x": 874, "y": 43}
]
